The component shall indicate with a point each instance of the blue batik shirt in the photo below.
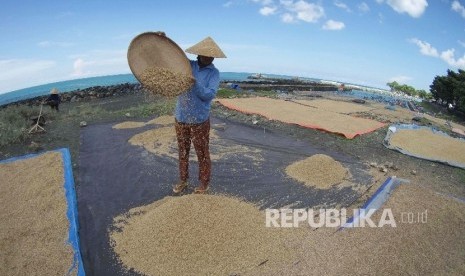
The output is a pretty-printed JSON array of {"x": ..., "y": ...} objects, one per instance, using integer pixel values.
[{"x": 193, "y": 107}]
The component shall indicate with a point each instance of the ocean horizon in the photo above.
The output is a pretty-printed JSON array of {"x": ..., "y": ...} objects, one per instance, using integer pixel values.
[{"x": 83, "y": 83}]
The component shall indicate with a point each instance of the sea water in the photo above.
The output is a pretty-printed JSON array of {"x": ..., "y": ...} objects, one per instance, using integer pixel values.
[{"x": 71, "y": 85}]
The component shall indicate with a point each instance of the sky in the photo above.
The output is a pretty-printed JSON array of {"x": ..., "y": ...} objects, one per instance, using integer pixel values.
[{"x": 370, "y": 42}]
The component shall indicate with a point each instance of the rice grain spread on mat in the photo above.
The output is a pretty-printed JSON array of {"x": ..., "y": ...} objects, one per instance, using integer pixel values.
[
  {"x": 319, "y": 170},
  {"x": 129, "y": 124},
  {"x": 431, "y": 145},
  {"x": 162, "y": 120},
  {"x": 162, "y": 141},
  {"x": 166, "y": 82},
  {"x": 34, "y": 226},
  {"x": 217, "y": 235},
  {"x": 310, "y": 117},
  {"x": 197, "y": 235}
]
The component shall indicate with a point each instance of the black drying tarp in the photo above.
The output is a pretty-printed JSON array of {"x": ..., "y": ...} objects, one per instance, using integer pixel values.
[{"x": 115, "y": 176}]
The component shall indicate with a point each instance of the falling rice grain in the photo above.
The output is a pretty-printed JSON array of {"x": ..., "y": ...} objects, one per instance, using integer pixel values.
[{"x": 166, "y": 82}]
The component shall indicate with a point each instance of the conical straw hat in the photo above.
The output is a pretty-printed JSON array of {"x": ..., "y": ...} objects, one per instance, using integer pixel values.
[
  {"x": 54, "y": 91},
  {"x": 208, "y": 48}
]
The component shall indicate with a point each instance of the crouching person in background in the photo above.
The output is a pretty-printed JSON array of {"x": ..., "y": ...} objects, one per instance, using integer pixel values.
[{"x": 54, "y": 99}]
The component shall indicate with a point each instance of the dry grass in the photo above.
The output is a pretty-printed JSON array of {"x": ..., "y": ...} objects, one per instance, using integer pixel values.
[
  {"x": 34, "y": 226},
  {"x": 165, "y": 82},
  {"x": 430, "y": 145},
  {"x": 442, "y": 122},
  {"x": 320, "y": 171},
  {"x": 398, "y": 115}
]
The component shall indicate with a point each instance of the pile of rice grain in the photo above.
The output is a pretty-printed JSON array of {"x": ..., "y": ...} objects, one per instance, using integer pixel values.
[
  {"x": 197, "y": 235},
  {"x": 166, "y": 82},
  {"x": 34, "y": 226},
  {"x": 319, "y": 170}
]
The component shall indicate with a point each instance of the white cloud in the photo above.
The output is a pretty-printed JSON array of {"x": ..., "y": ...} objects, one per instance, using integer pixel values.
[
  {"x": 425, "y": 48},
  {"x": 268, "y": 11},
  {"x": 456, "y": 6},
  {"x": 263, "y": 2},
  {"x": 333, "y": 25},
  {"x": 48, "y": 44},
  {"x": 414, "y": 8},
  {"x": 99, "y": 62},
  {"x": 80, "y": 68},
  {"x": 287, "y": 18},
  {"x": 305, "y": 11},
  {"x": 363, "y": 7},
  {"x": 448, "y": 55},
  {"x": 291, "y": 11},
  {"x": 19, "y": 73},
  {"x": 462, "y": 43},
  {"x": 228, "y": 4},
  {"x": 400, "y": 79},
  {"x": 342, "y": 5}
]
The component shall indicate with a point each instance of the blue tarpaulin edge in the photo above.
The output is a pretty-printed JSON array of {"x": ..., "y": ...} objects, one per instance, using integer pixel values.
[
  {"x": 377, "y": 199},
  {"x": 71, "y": 213}
]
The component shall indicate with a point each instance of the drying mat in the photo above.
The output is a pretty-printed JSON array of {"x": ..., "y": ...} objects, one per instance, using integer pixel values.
[
  {"x": 336, "y": 106},
  {"x": 115, "y": 176},
  {"x": 41, "y": 199},
  {"x": 426, "y": 143},
  {"x": 310, "y": 117}
]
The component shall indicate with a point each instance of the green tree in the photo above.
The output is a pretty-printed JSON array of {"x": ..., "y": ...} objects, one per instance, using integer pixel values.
[
  {"x": 407, "y": 89},
  {"x": 450, "y": 89}
]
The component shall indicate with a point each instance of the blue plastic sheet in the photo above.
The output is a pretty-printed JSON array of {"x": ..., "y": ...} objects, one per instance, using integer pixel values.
[{"x": 377, "y": 200}]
